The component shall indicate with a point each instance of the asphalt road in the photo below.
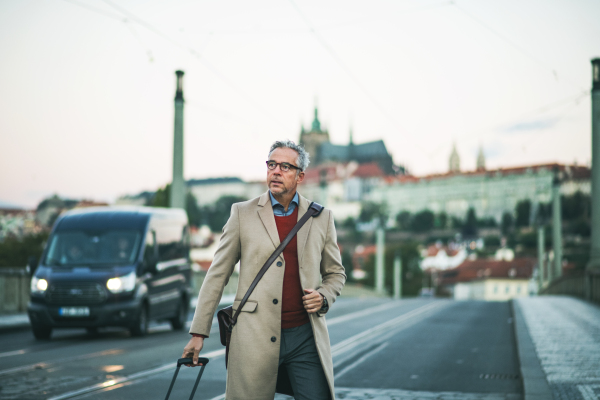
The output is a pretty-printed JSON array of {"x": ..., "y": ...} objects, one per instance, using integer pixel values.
[{"x": 414, "y": 348}]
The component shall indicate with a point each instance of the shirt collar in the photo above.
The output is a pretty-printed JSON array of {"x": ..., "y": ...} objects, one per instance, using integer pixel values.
[{"x": 275, "y": 203}]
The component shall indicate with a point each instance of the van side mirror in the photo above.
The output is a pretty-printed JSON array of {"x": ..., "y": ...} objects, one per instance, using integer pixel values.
[{"x": 32, "y": 265}]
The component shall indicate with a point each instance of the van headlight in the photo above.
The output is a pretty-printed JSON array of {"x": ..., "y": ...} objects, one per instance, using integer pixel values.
[
  {"x": 38, "y": 285},
  {"x": 121, "y": 284}
]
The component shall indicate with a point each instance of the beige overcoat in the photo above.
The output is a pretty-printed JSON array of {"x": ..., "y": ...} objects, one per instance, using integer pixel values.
[{"x": 250, "y": 236}]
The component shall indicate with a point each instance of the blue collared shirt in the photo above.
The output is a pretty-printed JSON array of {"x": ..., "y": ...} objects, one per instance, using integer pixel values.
[{"x": 278, "y": 209}]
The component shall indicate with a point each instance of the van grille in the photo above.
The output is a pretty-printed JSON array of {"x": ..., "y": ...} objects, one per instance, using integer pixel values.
[{"x": 80, "y": 293}]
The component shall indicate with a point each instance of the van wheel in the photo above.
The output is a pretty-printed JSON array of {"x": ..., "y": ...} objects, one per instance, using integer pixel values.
[
  {"x": 178, "y": 322},
  {"x": 140, "y": 324},
  {"x": 41, "y": 332}
]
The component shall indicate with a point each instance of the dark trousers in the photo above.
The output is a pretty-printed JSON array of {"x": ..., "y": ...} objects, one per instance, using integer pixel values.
[{"x": 298, "y": 354}]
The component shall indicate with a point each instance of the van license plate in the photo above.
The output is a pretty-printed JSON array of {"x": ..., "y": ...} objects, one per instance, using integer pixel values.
[{"x": 74, "y": 311}]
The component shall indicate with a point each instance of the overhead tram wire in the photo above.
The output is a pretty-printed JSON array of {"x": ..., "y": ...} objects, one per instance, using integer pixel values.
[
  {"x": 355, "y": 79},
  {"x": 572, "y": 100},
  {"x": 98, "y": 11},
  {"x": 192, "y": 51},
  {"x": 196, "y": 55},
  {"x": 514, "y": 45}
]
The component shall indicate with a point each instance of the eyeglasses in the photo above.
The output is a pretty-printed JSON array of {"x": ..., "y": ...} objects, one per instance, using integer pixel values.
[{"x": 285, "y": 167}]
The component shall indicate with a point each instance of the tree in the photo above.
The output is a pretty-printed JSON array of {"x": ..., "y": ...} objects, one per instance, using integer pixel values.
[
  {"x": 403, "y": 220},
  {"x": 162, "y": 199},
  {"x": 523, "y": 212},
  {"x": 373, "y": 211},
  {"x": 193, "y": 211},
  {"x": 470, "y": 226},
  {"x": 442, "y": 220},
  {"x": 16, "y": 252},
  {"x": 507, "y": 223},
  {"x": 218, "y": 213},
  {"x": 422, "y": 221},
  {"x": 411, "y": 271}
]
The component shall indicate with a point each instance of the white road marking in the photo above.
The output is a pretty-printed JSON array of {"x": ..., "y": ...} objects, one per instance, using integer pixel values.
[
  {"x": 13, "y": 353},
  {"x": 382, "y": 331},
  {"x": 42, "y": 365},
  {"x": 362, "y": 313},
  {"x": 132, "y": 377},
  {"x": 361, "y": 360}
]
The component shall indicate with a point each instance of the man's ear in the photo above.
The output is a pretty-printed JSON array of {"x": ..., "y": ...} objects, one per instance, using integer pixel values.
[{"x": 300, "y": 177}]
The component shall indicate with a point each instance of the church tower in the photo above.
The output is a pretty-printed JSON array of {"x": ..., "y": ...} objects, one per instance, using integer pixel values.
[
  {"x": 454, "y": 162},
  {"x": 313, "y": 139},
  {"x": 480, "y": 160}
]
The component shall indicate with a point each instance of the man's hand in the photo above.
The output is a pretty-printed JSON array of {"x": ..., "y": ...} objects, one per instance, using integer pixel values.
[
  {"x": 192, "y": 349},
  {"x": 313, "y": 300}
]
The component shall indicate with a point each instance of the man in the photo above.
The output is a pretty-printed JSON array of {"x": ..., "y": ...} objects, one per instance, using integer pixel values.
[{"x": 280, "y": 339}]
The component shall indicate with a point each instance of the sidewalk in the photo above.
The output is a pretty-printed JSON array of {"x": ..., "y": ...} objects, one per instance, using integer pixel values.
[{"x": 559, "y": 347}]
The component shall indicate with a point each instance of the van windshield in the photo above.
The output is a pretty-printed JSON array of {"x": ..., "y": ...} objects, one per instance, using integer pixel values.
[{"x": 87, "y": 248}]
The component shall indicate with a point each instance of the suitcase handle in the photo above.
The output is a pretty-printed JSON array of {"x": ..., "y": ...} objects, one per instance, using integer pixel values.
[{"x": 202, "y": 361}]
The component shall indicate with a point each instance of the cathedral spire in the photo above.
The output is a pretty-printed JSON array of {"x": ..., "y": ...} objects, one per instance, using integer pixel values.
[
  {"x": 316, "y": 124},
  {"x": 454, "y": 162},
  {"x": 480, "y": 159}
]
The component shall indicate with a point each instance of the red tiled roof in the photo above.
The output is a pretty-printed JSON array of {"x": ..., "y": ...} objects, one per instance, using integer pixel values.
[
  {"x": 432, "y": 251},
  {"x": 470, "y": 270},
  {"x": 368, "y": 170},
  {"x": 313, "y": 175},
  {"x": 575, "y": 172}
]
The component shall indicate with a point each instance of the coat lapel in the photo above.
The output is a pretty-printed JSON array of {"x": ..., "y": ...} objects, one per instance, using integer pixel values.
[
  {"x": 303, "y": 232},
  {"x": 265, "y": 212}
]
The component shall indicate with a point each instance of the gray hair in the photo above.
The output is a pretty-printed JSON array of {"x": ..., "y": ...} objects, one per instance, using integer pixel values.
[{"x": 303, "y": 158}]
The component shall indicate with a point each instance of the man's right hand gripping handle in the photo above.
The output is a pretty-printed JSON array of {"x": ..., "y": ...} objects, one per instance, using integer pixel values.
[{"x": 192, "y": 350}]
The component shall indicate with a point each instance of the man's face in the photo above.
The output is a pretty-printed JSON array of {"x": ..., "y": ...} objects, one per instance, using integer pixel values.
[{"x": 279, "y": 182}]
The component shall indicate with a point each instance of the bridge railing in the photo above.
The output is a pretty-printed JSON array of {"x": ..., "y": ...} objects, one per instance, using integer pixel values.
[
  {"x": 14, "y": 290},
  {"x": 582, "y": 284}
]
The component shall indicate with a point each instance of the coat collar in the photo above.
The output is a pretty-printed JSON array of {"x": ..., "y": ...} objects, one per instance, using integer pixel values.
[{"x": 265, "y": 212}]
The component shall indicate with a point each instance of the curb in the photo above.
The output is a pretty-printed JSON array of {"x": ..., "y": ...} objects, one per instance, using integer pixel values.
[
  {"x": 10, "y": 323},
  {"x": 535, "y": 384}
]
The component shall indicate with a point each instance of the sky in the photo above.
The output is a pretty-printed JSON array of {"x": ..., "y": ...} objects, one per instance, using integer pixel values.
[{"x": 87, "y": 86}]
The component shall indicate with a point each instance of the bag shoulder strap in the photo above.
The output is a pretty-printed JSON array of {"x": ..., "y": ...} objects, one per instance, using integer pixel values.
[{"x": 313, "y": 211}]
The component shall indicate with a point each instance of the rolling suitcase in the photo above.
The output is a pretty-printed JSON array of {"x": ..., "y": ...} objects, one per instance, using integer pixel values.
[{"x": 182, "y": 361}]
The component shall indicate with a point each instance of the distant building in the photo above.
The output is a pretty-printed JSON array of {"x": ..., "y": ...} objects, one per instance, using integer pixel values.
[
  {"x": 489, "y": 192},
  {"x": 316, "y": 142},
  {"x": 17, "y": 223},
  {"x": 341, "y": 186},
  {"x": 490, "y": 280},
  {"x": 140, "y": 199},
  {"x": 50, "y": 208},
  {"x": 441, "y": 258},
  {"x": 454, "y": 161},
  {"x": 208, "y": 191}
]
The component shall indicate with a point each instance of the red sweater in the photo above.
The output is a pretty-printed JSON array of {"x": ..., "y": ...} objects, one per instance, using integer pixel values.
[{"x": 293, "y": 313}]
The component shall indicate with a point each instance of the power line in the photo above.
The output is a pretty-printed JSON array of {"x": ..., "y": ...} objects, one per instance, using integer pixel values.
[
  {"x": 192, "y": 51},
  {"x": 98, "y": 11},
  {"x": 571, "y": 100},
  {"x": 196, "y": 55},
  {"x": 346, "y": 69},
  {"x": 513, "y": 44}
]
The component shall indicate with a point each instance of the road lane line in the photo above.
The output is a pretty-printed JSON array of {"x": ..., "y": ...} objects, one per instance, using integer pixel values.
[
  {"x": 353, "y": 341},
  {"x": 137, "y": 376},
  {"x": 384, "y": 330},
  {"x": 362, "y": 313},
  {"x": 13, "y": 353},
  {"x": 362, "y": 359},
  {"x": 42, "y": 365}
]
